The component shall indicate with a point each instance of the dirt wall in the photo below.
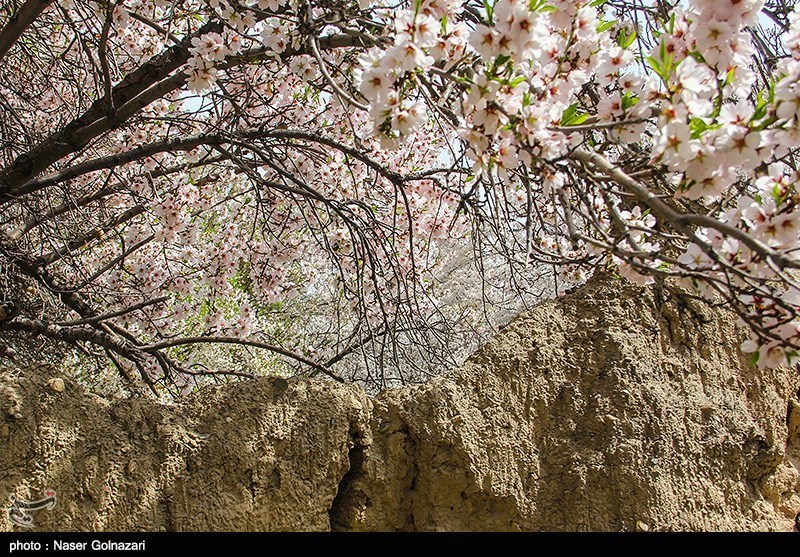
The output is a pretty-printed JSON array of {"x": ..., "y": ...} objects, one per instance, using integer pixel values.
[{"x": 608, "y": 409}]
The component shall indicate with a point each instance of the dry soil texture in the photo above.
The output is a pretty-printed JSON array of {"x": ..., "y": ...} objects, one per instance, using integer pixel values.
[{"x": 612, "y": 408}]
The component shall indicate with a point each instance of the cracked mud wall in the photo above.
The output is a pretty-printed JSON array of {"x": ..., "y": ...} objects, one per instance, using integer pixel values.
[{"x": 608, "y": 409}]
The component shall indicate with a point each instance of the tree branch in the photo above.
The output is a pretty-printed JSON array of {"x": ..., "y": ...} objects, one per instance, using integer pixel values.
[
  {"x": 84, "y": 239},
  {"x": 244, "y": 342},
  {"x": 20, "y": 21},
  {"x": 148, "y": 83},
  {"x": 678, "y": 219}
]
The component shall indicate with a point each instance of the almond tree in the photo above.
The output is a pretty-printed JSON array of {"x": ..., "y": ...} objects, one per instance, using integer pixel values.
[{"x": 184, "y": 182}]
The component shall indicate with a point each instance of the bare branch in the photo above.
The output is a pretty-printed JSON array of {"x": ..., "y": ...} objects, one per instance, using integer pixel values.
[
  {"x": 19, "y": 22},
  {"x": 244, "y": 342}
]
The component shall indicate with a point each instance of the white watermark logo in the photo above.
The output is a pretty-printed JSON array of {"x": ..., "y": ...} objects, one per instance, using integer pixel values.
[{"x": 20, "y": 509}]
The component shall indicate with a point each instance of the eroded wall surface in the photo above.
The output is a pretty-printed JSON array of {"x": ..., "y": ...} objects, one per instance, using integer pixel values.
[{"x": 611, "y": 408}]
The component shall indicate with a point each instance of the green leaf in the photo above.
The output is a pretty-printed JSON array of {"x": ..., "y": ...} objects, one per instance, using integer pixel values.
[
  {"x": 605, "y": 25},
  {"x": 762, "y": 105},
  {"x": 502, "y": 59},
  {"x": 517, "y": 81},
  {"x": 489, "y": 6},
  {"x": 624, "y": 39},
  {"x": 697, "y": 126},
  {"x": 777, "y": 194},
  {"x": 629, "y": 100},
  {"x": 578, "y": 119},
  {"x": 569, "y": 114},
  {"x": 540, "y": 6},
  {"x": 573, "y": 116},
  {"x": 697, "y": 56},
  {"x": 655, "y": 64},
  {"x": 526, "y": 99},
  {"x": 670, "y": 26},
  {"x": 754, "y": 358}
]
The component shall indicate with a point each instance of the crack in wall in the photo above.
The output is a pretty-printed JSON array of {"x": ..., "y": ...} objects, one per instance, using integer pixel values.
[{"x": 348, "y": 498}]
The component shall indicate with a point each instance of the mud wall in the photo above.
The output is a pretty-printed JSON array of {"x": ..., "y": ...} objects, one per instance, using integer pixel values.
[{"x": 608, "y": 409}]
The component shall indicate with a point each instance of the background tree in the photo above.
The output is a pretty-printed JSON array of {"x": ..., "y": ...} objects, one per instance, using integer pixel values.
[{"x": 187, "y": 183}]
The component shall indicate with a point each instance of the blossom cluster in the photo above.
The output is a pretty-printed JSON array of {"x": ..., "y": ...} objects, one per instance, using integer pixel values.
[
  {"x": 695, "y": 101},
  {"x": 308, "y": 148}
]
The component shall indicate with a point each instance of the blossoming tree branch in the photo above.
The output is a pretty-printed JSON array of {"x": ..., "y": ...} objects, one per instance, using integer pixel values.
[{"x": 173, "y": 173}]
